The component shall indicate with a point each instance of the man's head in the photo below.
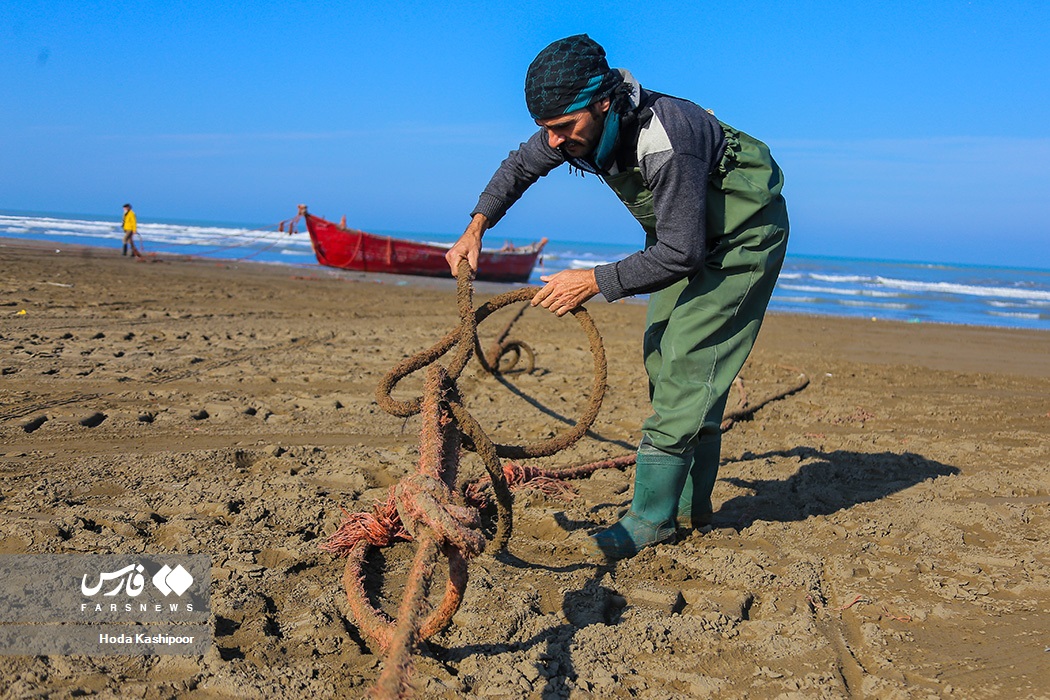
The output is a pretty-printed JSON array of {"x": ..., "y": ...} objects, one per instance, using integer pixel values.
[
  {"x": 567, "y": 90},
  {"x": 127, "y": 207}
]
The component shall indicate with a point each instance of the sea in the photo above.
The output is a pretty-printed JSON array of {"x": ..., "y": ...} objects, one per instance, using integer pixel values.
[{"x": 912, "y": 292}]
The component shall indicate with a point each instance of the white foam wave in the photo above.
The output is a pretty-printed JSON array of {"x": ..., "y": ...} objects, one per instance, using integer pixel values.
[
  {"x": 1021, "y": 305},
  {"x": 210, "y": 236},
  {"x": 1016, "y": 314},
  {"x": 847, "y": 279},
  {"x": 577, "y": 264},
  {"x": 873, "y": 304},
  {"x": 964, "y": 289},
  {"x": 838, "y": 291}
]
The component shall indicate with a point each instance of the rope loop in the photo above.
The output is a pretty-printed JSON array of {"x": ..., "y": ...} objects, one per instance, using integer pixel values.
[
  {"x": 429, "y": 508},
  {"x": 464, "y": 339}
]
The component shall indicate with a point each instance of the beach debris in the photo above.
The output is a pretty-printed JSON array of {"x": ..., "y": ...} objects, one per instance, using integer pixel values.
[
  {"x": 23, "y": 312},
  {"x": 891, "y": 616}
]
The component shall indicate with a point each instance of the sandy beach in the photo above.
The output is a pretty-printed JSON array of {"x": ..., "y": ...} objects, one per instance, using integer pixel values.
[{"x": 883, "y": 533}]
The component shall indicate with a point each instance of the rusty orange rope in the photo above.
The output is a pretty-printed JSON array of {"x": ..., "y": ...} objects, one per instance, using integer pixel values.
[
  {"x": 426, "y": 507},
  {"x": 501, "y": 347}
]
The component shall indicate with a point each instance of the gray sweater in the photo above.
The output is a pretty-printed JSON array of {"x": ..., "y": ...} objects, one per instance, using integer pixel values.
[{"x": 676, "y": 145}]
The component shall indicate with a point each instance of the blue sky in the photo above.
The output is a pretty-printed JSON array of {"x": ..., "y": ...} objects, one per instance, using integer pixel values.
[{"x": 907, "y": 131}]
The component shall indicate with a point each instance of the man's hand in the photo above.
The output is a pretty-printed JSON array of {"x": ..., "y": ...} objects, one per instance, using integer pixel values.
[
  {"x": 469, "y": 245},
  {"x": 566, "y": 290}
]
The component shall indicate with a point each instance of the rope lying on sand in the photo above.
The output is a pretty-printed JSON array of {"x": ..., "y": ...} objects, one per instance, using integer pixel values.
[
  {"x": 747, "y": 411},
  {"x": 429, "y": 507}
]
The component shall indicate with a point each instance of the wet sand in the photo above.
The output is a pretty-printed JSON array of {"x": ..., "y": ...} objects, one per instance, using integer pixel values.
[{"x": 885, "y": 532}]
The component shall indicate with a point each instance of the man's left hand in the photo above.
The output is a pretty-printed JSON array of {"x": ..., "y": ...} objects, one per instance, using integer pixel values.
[{"x": 566, "y": 290}]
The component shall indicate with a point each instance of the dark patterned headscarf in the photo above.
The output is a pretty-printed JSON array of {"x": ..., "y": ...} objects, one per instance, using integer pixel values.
[{"x": 568, "y": 75}]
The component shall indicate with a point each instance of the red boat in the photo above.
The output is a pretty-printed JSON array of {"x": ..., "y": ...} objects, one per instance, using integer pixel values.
[{"x": 335, "y": 245}]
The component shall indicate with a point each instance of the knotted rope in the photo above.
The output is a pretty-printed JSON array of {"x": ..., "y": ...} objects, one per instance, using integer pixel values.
[
  {"x": 429, "y": 507},
  {"x": 441, "y": 517}
]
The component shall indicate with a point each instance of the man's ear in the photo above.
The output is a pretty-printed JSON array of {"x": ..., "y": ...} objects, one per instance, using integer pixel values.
[{"x": 600, "y": 108}]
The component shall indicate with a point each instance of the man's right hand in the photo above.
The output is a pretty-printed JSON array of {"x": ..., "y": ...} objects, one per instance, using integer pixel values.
[{"x": 469, "y": 245}]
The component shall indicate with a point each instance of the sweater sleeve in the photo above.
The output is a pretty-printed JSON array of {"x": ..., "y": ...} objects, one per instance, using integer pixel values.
[
  {"x": 524, "y": 166},
  {"x": 677, "y": 174}
]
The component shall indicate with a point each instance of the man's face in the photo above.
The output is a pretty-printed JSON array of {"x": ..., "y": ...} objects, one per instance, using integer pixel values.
[{"x": 577, "y": 132}]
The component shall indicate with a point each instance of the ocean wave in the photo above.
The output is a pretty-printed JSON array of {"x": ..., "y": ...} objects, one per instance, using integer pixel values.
[
  {"x": 1023, "y": 304},
  {"x": 1028, "y": 316},
  {"x": 83, "y": 233},
  {"x": 65, "y": 225},
  {"x": 903, "y": 291},
  {"x": 964, "y": 289},
  {"x": 214, "y": 238},
  {"x": 579, "y": 264},
  {"x": 839, "y": 291},
  {"x": 874, "y": 304},
  {"x": 81, "y": 227},
  {"x": 847, "y": 279},
  {"x": 577, "y": 258}
]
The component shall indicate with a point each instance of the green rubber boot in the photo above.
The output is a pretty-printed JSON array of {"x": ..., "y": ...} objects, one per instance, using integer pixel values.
[
  {"x": 694, "y": 507},
  {"x": 658, "y": 480}
]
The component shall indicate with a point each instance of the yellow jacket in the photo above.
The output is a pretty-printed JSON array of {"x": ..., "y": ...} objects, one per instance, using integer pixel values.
[{"x": 130, "y": 225}]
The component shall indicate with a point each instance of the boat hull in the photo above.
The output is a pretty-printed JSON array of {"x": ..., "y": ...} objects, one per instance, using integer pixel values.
[{"x": 349, "y": 249}]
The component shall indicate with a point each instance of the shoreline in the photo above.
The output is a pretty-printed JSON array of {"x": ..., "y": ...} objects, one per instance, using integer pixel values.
[{"x": 440, "y": 282}]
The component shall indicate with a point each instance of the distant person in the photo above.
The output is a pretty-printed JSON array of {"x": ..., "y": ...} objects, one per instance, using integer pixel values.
[
  {"x": 130, "y": 229},
  {"x": 708, "y": 198}
]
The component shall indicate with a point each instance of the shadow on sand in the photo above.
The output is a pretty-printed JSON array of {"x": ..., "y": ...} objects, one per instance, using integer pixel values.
[{"x": 825, "y": 483}]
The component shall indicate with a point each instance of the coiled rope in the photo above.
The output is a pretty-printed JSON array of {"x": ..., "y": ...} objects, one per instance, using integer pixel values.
[
  {"x": 442, "y": 517},
  {"x": 428, "y": 507}
]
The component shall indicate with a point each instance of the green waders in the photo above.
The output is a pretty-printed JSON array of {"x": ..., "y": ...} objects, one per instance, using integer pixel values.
[{"x": 700, "y": 330}]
